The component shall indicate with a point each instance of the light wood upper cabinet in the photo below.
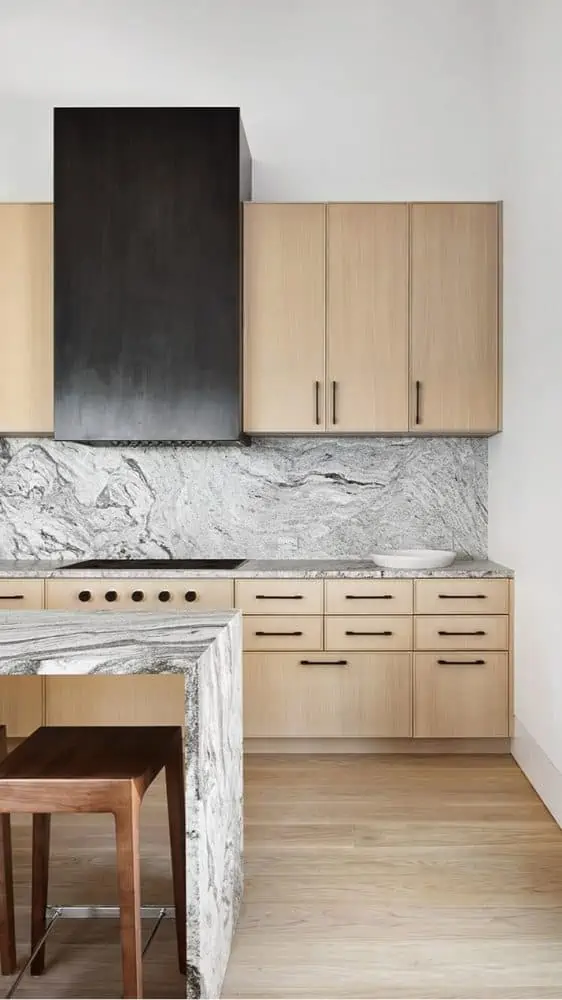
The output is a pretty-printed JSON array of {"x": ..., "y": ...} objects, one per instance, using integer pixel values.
[
  {"x": 284, "y": 304},
  {"x": 26, "y": 319},
  {"x": 454, "y": 318},
  {"x": 367, "y": 317}
]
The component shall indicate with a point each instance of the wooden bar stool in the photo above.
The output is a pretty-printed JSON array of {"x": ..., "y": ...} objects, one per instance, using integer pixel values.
[{"x": 92, "y": 769}]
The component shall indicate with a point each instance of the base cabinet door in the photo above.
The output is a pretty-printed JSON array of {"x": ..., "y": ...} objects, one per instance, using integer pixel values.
[
  {"x": 21, "y": 704},
  {"x": 142, "y": 700},
  {"x": 327, "y": 694},
  {"x": 462, "y": 695}
]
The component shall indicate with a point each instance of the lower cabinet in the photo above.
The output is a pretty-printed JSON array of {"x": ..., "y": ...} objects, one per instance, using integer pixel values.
[
  {"x": 461, "y": 695},
  {"x": 143, "y": 700},
  {"x": 327, "y": 694},
  {"x": 21, "y": 704}
]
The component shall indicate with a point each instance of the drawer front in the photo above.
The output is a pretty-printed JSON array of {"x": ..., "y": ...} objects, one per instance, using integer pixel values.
[
  {"x": 461, "y": 632},
  {"x": 454, "y": 597},
  {"x": 184, "y": 595},
  {"x": 322, "y": 695},
  {"x": 460, "y": 695},
  {"x": 282, "y": 632},
  {"x": 21, "y": 595},
  {"x": 369, "y": 632},
  {"x": 369, "y": 597},
  {"x": 279, "y": 597}
]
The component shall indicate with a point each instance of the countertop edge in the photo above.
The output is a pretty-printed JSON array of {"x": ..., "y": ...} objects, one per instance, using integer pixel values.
[{"x": 258, "y": 568}]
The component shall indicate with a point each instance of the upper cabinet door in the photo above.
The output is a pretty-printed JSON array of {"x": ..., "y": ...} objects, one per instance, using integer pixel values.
[
  {"x": 454, "y": 318},
  {"x": 367, "y": 318},
  {"x": 284, "y": 307},
  {"x": 26, "y": 319}
]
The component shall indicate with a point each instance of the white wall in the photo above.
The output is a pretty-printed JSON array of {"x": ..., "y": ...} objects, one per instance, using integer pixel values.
[
  {"x": 349, "y": 99},
  {"x": 525, "y": 518}
]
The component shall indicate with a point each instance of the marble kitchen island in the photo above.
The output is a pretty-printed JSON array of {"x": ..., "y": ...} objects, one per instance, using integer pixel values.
[{"x": 207, "y": 649}]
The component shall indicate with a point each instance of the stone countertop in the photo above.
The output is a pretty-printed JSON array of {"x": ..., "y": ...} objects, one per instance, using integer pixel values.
[
  {"x": 69, "y": 642},
  {"x": 207, "y": 649},
  {"x": 267, "y": 568}
]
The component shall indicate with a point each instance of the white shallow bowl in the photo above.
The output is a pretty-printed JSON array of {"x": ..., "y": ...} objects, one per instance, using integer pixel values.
[{"x": 414, "y": 558}]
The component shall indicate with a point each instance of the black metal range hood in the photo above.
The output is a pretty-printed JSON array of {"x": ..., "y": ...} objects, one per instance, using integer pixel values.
[{"x": 148, "y": 273}]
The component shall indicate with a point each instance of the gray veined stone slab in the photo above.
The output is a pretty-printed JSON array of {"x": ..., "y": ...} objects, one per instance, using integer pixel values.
[
  {"x": 207, "y": 650},
  {"x": 280, "y": 498}
]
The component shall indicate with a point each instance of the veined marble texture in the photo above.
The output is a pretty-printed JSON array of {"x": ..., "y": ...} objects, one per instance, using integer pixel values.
[
  {"x": 207, "y": 649},
  {"x": 300, "y": 498}
]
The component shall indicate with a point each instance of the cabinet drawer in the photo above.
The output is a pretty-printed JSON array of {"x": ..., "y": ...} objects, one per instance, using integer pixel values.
[
  {"x": 184, "y": 594},
  {"x": 460, "y": 695},
  {"x": 21, "y": 595},
  {"x": 283, "y": 632},
  {"x": 369, "y": 632},
  {"x": 461, "y": 632},
  {"x": 331, "y": 694},
  {"x": 453, "y": 597},
  {"x": 369, "y": 597},
  {"x": 279, "y": 597}
]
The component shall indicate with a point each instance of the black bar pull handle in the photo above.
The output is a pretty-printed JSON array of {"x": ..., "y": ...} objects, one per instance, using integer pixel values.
[
  {"x": 418, "y": 402},
  {"x": 334, "y": 402},
  {"x": 322, "y": 663},
  {"x": 278, "y": 633},
  {"x": 12, "y": 597},
  {"x": 279, "y": 597},
  {"x": 317, "y": 403},
  {"x": 462, "y": 597},
  {"x": 461, "y": 663},
  {"x": 369, "y": 597},
  {"x": 479, "y": 631},
  {"x": 349, "y": 632}
]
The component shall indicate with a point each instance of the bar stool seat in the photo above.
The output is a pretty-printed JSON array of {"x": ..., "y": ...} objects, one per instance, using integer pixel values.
[{"x": 95, "y": 769}]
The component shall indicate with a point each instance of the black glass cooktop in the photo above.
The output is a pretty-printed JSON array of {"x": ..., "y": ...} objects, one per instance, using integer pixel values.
[{"x": 156, "y": 564}]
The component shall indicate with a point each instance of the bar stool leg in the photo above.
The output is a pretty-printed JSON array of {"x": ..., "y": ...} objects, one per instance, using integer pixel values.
[
  {"x": 128, "y": 874},
  {"x": 8, "y": 958},
  {"x": 176, "y": 820},
  {"x": 39, "y": 886}
]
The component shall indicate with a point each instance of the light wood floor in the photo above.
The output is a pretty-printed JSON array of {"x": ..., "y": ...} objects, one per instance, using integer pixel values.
[
  {"x": 365, "y": 877},
  {"x": 397, "y": 877}
]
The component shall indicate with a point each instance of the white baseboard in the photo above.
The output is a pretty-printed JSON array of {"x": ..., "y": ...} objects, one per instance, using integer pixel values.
[
  {"x": 379, "y": 746},
  {"x": 545, "y": 778}
]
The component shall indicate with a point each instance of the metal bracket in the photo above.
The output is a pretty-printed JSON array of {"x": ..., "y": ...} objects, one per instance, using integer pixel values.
[{"x": 54, "y": 913}]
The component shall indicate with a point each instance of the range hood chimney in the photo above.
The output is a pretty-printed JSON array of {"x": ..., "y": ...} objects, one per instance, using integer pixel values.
[{"x": 148, "y": 265}]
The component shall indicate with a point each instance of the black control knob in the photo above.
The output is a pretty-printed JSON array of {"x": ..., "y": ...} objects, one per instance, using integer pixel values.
[
  {"x": 191, "y": 595},
  {"x": 164, "y": 595},
  {"x": 85, "y": 595},
  {"x": 111, "y": 595},
  {"x": 137, "y": 595}
]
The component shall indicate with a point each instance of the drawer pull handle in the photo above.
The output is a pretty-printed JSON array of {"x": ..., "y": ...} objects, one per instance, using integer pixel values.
[
  {"x": 12, "y": 597},
  {"x": 349, "y": 632},
  {"x": 278, "y": 633},
  {"x": 461, "y": 663},
  {"x": 279, "y": 597},
  {"x": 369, "y": 597},
  {"x": 479, "y": 631},
  {"x": 321, "y": 663},
  {"x": 462, "y": 597}
]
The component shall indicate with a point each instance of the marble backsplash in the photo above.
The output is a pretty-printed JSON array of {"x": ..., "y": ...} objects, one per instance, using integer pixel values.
[{"x": 277, "y": 498}]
